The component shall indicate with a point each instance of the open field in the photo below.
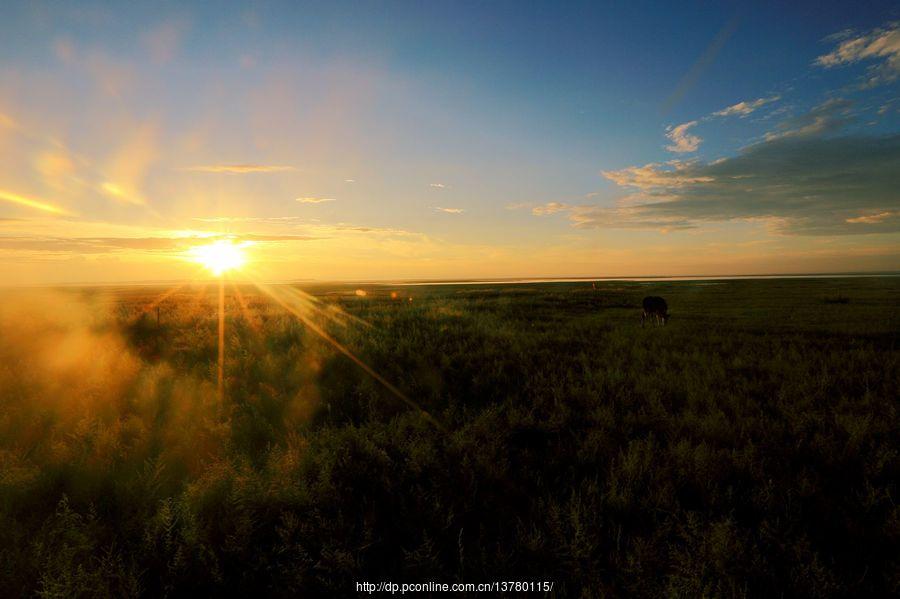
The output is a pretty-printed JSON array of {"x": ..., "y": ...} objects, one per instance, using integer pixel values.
[{"x": 749, "y": 448}]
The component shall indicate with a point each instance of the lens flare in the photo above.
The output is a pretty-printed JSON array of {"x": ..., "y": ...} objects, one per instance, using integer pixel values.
[{"x": 220, "y": 256}]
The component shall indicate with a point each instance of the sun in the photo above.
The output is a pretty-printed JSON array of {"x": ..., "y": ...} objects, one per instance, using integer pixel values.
[{"x": 220, "y": 256}]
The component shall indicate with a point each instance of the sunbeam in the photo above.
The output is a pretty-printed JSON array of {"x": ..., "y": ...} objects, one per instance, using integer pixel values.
[
  {"x": 250, "y": 318},
  {"x": 276, "y": 294}
]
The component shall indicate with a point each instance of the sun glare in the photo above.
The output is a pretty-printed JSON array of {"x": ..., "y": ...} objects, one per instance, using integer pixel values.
[{"x": 220, "y": 256}]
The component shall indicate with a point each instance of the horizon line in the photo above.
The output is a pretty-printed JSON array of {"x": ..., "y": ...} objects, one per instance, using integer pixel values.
[{"x": 470, "y": 281}]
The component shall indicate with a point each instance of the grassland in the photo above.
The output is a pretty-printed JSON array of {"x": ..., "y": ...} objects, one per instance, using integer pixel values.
[{"x": 749, "y": 448}]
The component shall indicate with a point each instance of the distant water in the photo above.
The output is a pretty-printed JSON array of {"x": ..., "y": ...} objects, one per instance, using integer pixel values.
[{"x": 651, "y": 279}]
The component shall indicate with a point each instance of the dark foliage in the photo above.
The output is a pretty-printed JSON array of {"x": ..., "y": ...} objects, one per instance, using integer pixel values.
[{"x": 749, "y": 448}]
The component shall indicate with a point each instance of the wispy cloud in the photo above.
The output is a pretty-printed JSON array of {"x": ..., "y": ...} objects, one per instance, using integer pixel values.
[
  {"x": 102, "y": 245},
  {"x": 376, "y": 231},
  {"x": 872, "y": 218},
  {"x": 86, "y": 245},
  {"x": 747, "y": 107},
  {"x": 682, "y": 141},
  {"x": 240, "y": 168},
  {"x": 622, "y": 216},
  {"x": 438, "y": 185},
  {"x": 881, "y": 45},
  {"x": 250, "y": 219},
  {"x": 675, "y": 173},
  {"x": 274, "y": 237},
  {"x": 550, "y": 208},
  {"x": 449, "y": 210},
  {"x": 886, "y": 107},
  {"x": 121, "y": 194},
  {"x": 314, "y": 200},
  {"x": 123, "y": 175},
  {"x": 78, "y": 178},
  {"x": 702, "y": 63},
  {"x": 14, "y": 198},
  {"x": 828, "y": 117}
]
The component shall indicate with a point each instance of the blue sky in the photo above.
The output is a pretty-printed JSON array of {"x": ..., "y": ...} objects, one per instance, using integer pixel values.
[{"x": 449, "y": 139}]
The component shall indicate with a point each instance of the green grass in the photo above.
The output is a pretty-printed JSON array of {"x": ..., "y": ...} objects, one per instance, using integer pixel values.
[{"x": 749, "y": 448}]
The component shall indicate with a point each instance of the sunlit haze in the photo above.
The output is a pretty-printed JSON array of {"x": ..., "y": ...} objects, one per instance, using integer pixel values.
[{"x": 390, "y": 141}]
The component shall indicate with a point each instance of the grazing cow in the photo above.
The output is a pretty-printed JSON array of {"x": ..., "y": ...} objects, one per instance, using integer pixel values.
[{"x": 655, "y": 307}]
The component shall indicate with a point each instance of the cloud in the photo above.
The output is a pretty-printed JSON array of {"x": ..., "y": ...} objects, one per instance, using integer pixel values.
[
  {"x": 881, "y": 45},
  {"x": 617, "y": 217},
  {"x": 799, "y": 184},
  {"x": 129, "y": 150},
  {"x": 127, "y": 167},
  {"x": 293, "y": 223},
  {"x": 239, "y": 168},
  {"x": 675, "y": 173},
  {"x": 702, "y": 63},
  {"x": 378, "y": 231},
  {"x": 450, "y": 210},
  {"x": 682, "y": 141},
  {"x": 121, "y": 194},
  {"x": 104, "y": 245},
  {"x": 311, "y": 200},
  {"x": 872, "y": 218},
  {"x": 257, "y": 237},
  {"x": 840, "y": 35},
  {"x": 745, "y": 108},
  {"x": 438, "y": 185},
  {"x": 550, "y": 208},
  {"x": 251, "y": 219},
  {"x": 14, "y": 198},
  {"x": 88, "y": 245},
  {"x": 828, "y": 117}
]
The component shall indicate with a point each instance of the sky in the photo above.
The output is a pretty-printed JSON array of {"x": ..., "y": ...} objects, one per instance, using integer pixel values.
[{"x": 454, "y": 140}]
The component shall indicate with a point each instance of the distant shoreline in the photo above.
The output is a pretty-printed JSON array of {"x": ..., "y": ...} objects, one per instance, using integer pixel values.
[{"x": 647, "y": 279}]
